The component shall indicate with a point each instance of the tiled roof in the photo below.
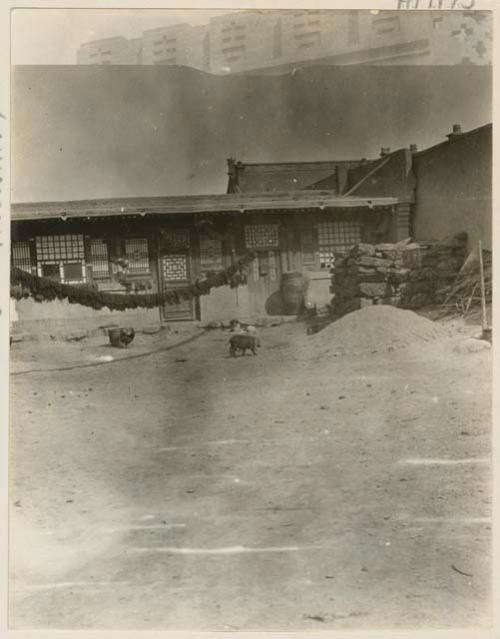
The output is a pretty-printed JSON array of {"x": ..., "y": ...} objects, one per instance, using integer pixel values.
[{"x": 227, "y": 203}]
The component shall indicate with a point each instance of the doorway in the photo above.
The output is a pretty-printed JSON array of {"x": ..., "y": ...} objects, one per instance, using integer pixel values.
[{"x": 175, "y": 272}]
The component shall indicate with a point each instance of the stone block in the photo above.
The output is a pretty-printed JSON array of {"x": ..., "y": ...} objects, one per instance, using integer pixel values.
[
  {"x": 373, "y": 261},
  {"x": 398, "y": 275},
  {"x": 365, "y": 301},
  {"x": 426, "y": 273},
  {"x": 350, "y": 281},
  {"x": 374, "y": 289},
  {"x": 373, "y": 276},
  {"x": 393, "y": 300},
  {"x": 387, "y": 255},
  {"x": 362, "y": 249},
  {"x": 385, "y": 246}
]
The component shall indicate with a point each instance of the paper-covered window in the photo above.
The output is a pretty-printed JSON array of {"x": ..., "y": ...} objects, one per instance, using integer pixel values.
[
  {"x": 336, "y": 237},
  {"x": 61, "y": 257},
  {"x": 210, "y": 255},
  {"x": 99, "y": 258},
  {"x": 262, "y": 236},
  {"x": 137, "y": 255},
  {"x": 21, "y": 256}
]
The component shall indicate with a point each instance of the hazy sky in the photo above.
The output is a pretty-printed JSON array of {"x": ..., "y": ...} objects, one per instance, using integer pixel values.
[
  {"x": 53, "y": 36},
  {"x": 87, "y": 132}
]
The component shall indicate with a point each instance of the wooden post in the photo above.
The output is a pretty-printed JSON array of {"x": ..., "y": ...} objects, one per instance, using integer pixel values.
[{"x": 483, "y": 295}]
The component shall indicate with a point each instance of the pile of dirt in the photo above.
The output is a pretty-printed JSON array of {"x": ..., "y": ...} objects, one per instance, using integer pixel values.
[{"x": 375, "y": 329}]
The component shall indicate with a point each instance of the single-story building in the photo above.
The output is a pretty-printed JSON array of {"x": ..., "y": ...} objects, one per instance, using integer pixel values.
[
  {"x": 295, "y": 216},
  {"x": 155, "y": 244}
]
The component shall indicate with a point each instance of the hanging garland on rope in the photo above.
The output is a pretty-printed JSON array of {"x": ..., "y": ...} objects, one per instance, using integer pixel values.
[{"x": 42, "y": 289}]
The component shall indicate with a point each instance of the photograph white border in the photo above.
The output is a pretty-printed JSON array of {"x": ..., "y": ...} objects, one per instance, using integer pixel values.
[{"x": 6, "y": 6}]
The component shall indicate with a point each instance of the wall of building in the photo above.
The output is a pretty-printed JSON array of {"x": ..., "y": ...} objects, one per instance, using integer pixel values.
[
  {"x": 181, "y": 44},
  {"x": 59, "y": 317},
  {"x": 225, "y": 303},
  {"x": 245, "y": 41},
  {"x": 454, "y": 183},
  {"x": 241, "y": 41},
  {"x": 260, "y": 178},
  {"x": 111, "y": 51},
  {"x": 284, "y": 241},
  {"x": 391, "y": 176}
]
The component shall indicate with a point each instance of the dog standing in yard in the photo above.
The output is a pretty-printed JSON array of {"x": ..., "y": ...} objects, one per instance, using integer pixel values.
[{"x": 243, "y": 343}]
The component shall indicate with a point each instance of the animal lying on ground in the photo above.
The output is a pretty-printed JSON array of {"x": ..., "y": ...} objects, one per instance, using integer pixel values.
[
  {"x": 240, "y": 327},
  {"x": 243, "y": 343}
]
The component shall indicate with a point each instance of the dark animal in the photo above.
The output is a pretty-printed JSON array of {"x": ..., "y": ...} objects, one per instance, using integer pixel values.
[
  {"x": 126, "y": 336},
  {"x": 121, "y": 337},
  {"x": 243, "y": 343}
]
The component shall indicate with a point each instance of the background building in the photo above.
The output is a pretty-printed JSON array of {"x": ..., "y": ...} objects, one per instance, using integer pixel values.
[
  {"x": 275, "y": 41},
  {"x": 242, "y": 41},
  {"x": 181, "y": 44},
  {"x": 111, "y": 51}
]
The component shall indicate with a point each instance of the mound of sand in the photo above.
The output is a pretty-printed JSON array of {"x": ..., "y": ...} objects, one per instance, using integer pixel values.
[
  {"x": 375, "y": 329},
  {"x": 471, "y": 345}
]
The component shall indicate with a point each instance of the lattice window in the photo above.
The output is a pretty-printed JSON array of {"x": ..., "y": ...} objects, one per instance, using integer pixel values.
[
  {"x": 174, "y": 268},
  {"x": 21, "y": 257},
  {"x": 99, "y": 258},
  {"x": 67, "y": 272},
  {"x": 73, "y": 272},
  {"x": 262, "y": 236},
  {"x": 59, "y": 248},
  {"x": 336, "y": 237},
  {"x": 137, "y": 255},
  {"x": 51, "y": 270},
  {"x": 61, "y": 257},
  {"x": 178, "y": 238},
  {"x": 210, "y": 255}
]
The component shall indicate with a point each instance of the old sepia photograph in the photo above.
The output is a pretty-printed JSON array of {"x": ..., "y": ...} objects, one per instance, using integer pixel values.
[{"x": 250, "y": 377}]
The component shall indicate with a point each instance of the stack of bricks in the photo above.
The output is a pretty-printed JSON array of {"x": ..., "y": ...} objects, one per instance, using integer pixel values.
[
  {"x": 407, "y": 274},
  {"x": 440, "y": 262}
]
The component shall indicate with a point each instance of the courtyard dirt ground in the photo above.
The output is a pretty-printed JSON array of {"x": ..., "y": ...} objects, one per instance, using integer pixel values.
[{"x": 189, "y": 490}]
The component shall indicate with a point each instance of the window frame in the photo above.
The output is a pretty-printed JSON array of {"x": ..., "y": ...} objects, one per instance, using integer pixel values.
[
  {"x": 64, "y": 257},
  {"x": 95, "y": 258},
  {"x": 133, "y": 271},
  {"x": 255, "y": 246},
  {"x": 22, "y": 262}
]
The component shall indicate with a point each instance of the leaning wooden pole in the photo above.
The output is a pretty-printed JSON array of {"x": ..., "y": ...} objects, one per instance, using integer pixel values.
[{"x": 483, "y": 294}]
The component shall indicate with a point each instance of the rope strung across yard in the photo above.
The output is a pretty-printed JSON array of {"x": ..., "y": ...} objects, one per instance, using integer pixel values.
[{"x": 42, "y": 289}]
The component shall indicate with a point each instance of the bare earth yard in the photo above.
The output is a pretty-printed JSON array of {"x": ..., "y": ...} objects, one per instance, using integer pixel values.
[{"x": 190, "y": 490}]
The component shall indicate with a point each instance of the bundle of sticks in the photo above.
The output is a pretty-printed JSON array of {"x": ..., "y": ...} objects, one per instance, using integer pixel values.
[{"x": 464, "y": 294}]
